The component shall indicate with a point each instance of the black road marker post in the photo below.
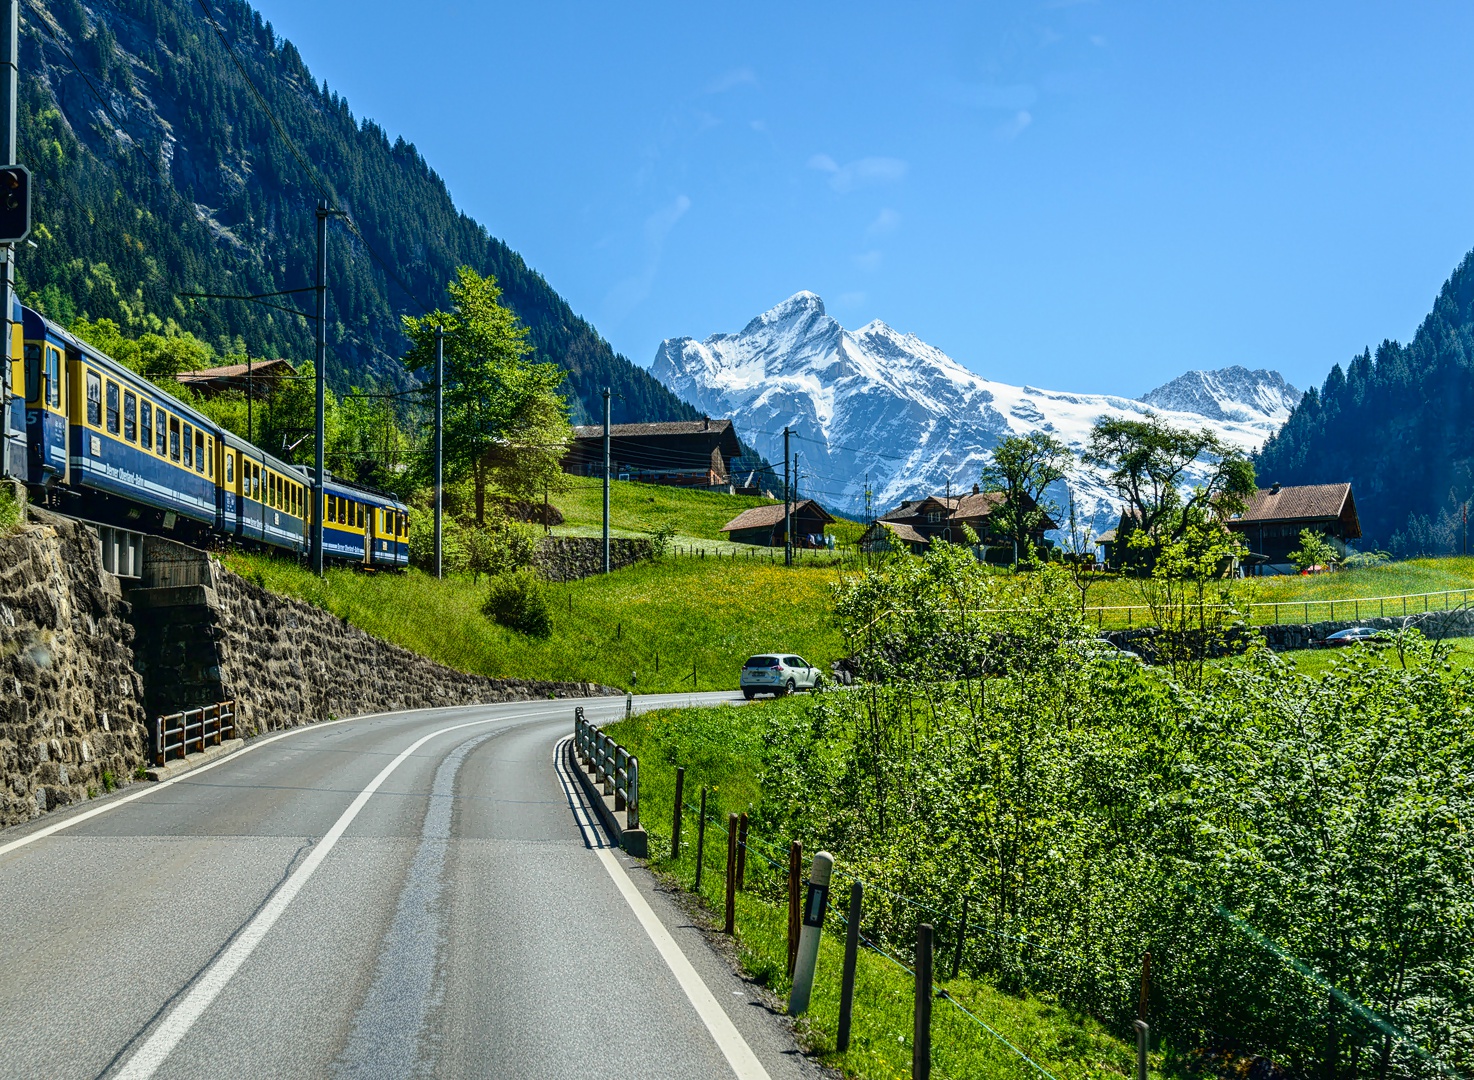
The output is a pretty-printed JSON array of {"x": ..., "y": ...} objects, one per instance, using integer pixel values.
[
  {"x": 742, "y": 851},
  {"x": 1146, "y": 984},
  {"x": 701, "y": 839},
  {"x": 1143, "y": 1031},
  {"x": 795, "y": 867},
  {"x": 730, "y": 926},
  {"x": 816, "y": 902},
  {"x": 675, "y": 825},
  {"x": 921, "y": 1040},
  {"x": 851, "y": 958},
  {"x": 961, "y": 937}
]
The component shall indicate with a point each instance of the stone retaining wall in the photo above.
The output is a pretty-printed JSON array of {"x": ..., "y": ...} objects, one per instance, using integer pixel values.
[
  {"x": 71, "y": 705},
  {"x": 83, "y": 664},
  {"x": 570, "y": 558}
]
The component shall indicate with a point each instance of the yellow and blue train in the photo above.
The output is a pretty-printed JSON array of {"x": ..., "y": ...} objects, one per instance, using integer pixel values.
[{"x": 104, "y": 444}]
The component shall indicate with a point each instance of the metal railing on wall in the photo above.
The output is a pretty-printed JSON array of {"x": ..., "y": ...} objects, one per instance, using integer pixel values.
[
  {"x": 182, "y": 733},
  {"x": 614, "y": 768}
]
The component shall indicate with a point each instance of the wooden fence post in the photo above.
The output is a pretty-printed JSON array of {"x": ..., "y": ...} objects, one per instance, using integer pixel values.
[
  {"x": 795, "y": 869},
  {"x": 921, "y": 1040},
  {"x": 742, "y": 851},
  {"x": 731, "y": 922}
]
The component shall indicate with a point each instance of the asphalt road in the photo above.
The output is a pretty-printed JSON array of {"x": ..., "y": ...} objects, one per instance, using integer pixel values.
[{"x": 393, "y": 896}]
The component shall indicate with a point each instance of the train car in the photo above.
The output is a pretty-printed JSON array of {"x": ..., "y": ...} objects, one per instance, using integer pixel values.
[
  {"x": 13, "y": 423},
  {"x": 105, "y": 443},
  {"x": 263, "y": 500},
  {"x": 359, "y": 526}
]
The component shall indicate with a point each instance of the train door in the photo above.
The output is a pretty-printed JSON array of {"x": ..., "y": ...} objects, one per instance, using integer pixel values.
[
  {"x": 364, "y": 515},
  {"x": 46, "y": 413}
]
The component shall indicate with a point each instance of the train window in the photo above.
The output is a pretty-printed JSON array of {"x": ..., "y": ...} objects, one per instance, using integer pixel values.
[
  {"x": 33, "y": 374},
  {"x": 161, "y": 427},
  {"x": 113, "y": 412},
  {"x": 360, "y": 514},
  {"x": 174, "y": 438},
  {"x": 130, "y": 416},
  {"x": 188, "y": 446},
  {"x": 94, "y": 399},
  {"x": 256, "y": 482},
  {"x": 146, "y": 425},
  {"x": 210, "y": 452},
  {"x": 229, "y": 467},
  {"x": 199, "y": 450},
  {"x": 53, "y": 377}
]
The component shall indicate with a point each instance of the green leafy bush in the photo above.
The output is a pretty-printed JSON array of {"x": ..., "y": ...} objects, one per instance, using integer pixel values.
[
  {"x": 9, "y": 509},
  {"x": 516, "y": 601}
]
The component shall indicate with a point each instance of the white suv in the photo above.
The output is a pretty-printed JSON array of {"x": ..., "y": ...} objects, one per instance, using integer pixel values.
[{"x": 778, "y": 674}]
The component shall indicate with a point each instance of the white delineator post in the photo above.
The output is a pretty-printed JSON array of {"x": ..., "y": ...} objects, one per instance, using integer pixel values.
[{"x": 816, "y": 901}]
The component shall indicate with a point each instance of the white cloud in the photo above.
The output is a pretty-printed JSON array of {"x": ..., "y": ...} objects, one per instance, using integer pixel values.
[
  {"x": 632, "y": 291},
  {"x": 869, "y": 261},
  {"x": 730, "y": 80},
  {"x": 861, "y": 173},
  {"x": 1015, "y": 126},
  {"x": 887, "y": 221}
]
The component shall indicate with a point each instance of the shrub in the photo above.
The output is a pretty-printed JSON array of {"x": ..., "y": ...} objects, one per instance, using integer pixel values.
[
  {"x": 9, "y": 509},
  {"x": 516, "y": 601}
]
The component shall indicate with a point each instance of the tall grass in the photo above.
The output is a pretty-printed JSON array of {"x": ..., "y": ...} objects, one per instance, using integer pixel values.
[
  {"x": 722, "y": 750},
  {"x": 657, "y": 619}
]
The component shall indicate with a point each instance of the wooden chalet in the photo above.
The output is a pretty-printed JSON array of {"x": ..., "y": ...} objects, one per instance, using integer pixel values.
[
  {"x": 943, "y": 516},
  {"x": 763, "y": 525},
  {"x": 257, "y": 379},
  {"x": 892, "y": 536},
  {"x": 1272, "y": 522},
  {"x": 683, "y": 453}
]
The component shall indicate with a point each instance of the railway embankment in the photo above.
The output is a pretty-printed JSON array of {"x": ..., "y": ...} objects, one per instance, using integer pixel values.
[{"x": 86, "y": 659}]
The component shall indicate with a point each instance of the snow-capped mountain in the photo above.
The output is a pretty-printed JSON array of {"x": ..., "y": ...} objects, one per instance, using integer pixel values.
[{"x": 875, "y": 404}]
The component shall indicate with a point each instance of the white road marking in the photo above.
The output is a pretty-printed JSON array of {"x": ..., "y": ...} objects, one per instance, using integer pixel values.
[
  {"x": 583, "y": 814},
  {"x": 728, "y": 1039},
  {"x": 107, "y": 807},
  {"x": 177, "y": 1023}
]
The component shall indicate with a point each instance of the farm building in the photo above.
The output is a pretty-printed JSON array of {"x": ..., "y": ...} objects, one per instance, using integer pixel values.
[
  {"x": 1272, "y": 522},
  {"x": 257, "y": 379},
  {"x": 763, "y": 525},
  {"x": 892, "y": 536},
  {"x": 944, "y": 516},
  {"x": 683, "y": 453}
]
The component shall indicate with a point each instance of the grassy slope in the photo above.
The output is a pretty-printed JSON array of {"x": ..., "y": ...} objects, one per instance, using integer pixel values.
[
  {"x": 636, "y": 509},
  {"x": 722, "y": 749},
  {"x": 713, "y": 612}
]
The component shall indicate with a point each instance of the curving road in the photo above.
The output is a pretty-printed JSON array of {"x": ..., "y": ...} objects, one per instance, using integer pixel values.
[{"x": 412, "y": 894}]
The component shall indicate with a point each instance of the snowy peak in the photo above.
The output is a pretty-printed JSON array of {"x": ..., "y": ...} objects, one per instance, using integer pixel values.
[
  {"x": 880, "y": 404},
  {"x": 1231, "y": 393}
]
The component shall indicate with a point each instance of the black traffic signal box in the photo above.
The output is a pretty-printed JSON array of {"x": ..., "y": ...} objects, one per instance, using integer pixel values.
[{"x": 15, "y": 204}]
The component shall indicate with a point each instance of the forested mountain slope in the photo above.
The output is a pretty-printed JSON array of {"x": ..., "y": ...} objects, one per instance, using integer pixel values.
[
  {"x": 1399, "y": 426},
  {"x": 179, "y": 183}
]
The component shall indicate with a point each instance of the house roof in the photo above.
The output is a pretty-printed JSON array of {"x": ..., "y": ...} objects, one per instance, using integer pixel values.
[
  {"x": 256, "y": 369},
  {"x": 901, "y": 530},
  {"x": 759, "y": 517},
  {"x": 667, "y": 427},
  {"x": 1306, "y": 502},
  {"x": 971, "y": 506}
]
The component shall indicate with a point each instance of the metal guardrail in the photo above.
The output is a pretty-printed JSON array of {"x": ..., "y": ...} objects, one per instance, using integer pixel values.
[
  {"x": 191, "y": 731},
  {"x": 613, "y": 767}
]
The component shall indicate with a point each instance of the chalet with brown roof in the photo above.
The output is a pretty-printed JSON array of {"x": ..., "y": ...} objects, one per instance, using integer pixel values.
[
  {"x": 1272, "y": 521},
  {"x": 258, "y": 378},
  {"x": 944, "y": 516},
  {"x": 892, "y": 536},
  {"x": 683, "y": 453},
  {"x": 763, "y": 525}
]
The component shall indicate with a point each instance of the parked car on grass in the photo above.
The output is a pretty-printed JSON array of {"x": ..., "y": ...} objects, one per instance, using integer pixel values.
[
  {"x": 1355, "y": 635},
  {"x": 778, "y": 674}
]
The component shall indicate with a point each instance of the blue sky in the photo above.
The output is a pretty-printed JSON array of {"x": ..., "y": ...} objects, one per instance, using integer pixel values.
[{"x": 1083, "y": 196}]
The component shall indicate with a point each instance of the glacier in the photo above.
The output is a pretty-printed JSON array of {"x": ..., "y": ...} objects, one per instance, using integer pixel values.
[{"x": 877, "y": 409}]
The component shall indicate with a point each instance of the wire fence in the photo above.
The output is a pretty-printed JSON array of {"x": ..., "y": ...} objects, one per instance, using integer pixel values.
[{"x": 1277, "y": 612}]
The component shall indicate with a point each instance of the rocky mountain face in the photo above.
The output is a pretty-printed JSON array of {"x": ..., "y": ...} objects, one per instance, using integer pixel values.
[
  {"x": 158, "y": 172},
  {"x": 881, "y": 408}
]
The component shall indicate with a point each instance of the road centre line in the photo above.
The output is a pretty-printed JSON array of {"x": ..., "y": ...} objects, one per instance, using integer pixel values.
[
  {"x": 107, "y": 807},
  {"x": 176, "y": 1025}
]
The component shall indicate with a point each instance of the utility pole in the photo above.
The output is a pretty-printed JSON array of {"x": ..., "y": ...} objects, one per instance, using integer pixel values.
[
  {"x": 250, "y": 396},
  {"x": 320, "y": 360},
  {"x": 439, "y": 450},
  {"x": 867, "y": 497},
  {"x": 787, "y": 507},
  {"x": 606, "y": 481},
  {"x": 12, "y": 463}
]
